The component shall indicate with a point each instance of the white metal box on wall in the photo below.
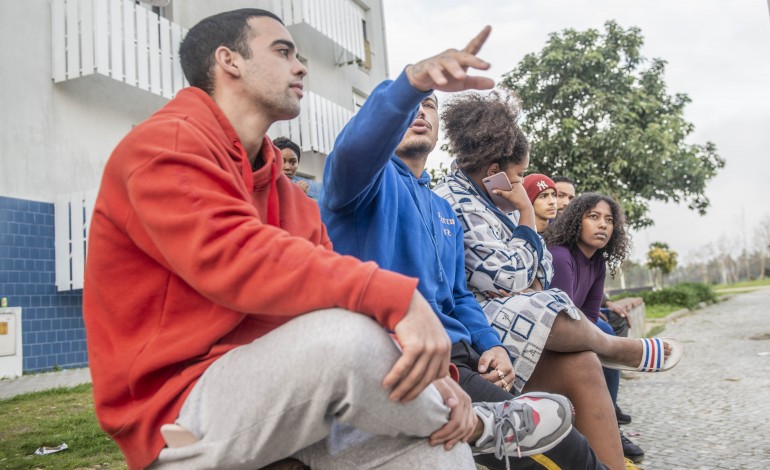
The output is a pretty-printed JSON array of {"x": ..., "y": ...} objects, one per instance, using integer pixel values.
[{"x": 10, "y": 342}]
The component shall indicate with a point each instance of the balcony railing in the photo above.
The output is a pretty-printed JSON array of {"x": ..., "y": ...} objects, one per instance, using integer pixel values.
[
  {"x": 118, "y": 39},
  {"x": 339, "y": 20},
  {"x": 316, "y": 127}
]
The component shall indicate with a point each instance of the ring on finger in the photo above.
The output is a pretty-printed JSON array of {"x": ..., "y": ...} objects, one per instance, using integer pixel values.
[
  {"x": 505, "y": 384},
  {"x": 500, "y": 373}
]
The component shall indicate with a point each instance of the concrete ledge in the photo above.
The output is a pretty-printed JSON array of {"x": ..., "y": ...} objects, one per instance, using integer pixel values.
[{"x": 636, "y": 316}]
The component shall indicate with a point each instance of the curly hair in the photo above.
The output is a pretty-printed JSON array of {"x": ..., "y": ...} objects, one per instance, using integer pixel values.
[
  {"x": 483, "y": 129},
  {"x": 565, "y": 230}
]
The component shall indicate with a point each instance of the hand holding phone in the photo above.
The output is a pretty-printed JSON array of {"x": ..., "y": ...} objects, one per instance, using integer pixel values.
[{"x": 499, "y": 181}]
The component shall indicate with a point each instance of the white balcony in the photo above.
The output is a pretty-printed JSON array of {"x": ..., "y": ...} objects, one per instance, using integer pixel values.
[
  {"x": 339, "y": 20},
  {"x": 319, "y": 123},
  {"x": 118, "y": 39}
]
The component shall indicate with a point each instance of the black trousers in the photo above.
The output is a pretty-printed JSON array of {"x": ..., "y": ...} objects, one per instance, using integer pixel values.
[{"x": 571, "y": 453}]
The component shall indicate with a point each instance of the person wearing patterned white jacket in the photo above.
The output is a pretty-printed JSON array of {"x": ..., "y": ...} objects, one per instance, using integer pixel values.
[{"x": 509, "y": 270}]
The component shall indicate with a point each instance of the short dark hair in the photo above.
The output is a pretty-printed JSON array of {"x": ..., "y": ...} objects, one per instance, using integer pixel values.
[
  {"x": 230, "y": 29},
  {"x": 483, "y": 129},
  {"x": 563, "y": 179},
  {"x": 565, "y": 230},
  {"x": 286, "y": 143}
]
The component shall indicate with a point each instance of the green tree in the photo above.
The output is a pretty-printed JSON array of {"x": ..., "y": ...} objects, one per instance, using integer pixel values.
[
  {"x": 661, "y": 260},
  {"x": 599, "y": 112},
  {"x": 437, "y": 174}
]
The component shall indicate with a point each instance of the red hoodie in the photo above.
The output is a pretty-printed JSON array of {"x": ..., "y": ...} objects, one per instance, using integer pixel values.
[{"x": 185, "y": 262}]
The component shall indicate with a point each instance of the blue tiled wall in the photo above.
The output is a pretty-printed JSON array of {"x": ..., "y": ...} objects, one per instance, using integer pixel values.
[{"x": 52, "y": 322}]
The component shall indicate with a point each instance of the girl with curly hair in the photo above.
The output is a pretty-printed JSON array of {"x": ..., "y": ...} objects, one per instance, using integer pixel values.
[
  {"x": 586, "y": 239},
  {"x": 508, "y": 268}
]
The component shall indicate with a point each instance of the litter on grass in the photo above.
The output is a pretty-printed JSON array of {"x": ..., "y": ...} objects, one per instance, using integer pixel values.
[{"x": 51, "y": 450}]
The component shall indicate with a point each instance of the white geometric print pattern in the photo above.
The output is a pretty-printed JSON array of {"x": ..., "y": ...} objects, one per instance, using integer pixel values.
[{"x": 494, "y": 260}]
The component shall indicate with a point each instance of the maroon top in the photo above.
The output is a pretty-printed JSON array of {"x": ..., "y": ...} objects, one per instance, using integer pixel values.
[{"x": 580, "y": 277}]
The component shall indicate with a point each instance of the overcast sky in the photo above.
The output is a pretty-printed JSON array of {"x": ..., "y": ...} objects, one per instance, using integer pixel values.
[{"x": 718, "y": 53}]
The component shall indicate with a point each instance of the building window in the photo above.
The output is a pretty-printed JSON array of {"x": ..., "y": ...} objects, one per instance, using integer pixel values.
[
  {"x": 359, "y": 98},
  {"x": 366, "y": 63}
]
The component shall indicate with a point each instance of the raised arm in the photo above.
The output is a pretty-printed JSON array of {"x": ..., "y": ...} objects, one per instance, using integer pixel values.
[
  {"x": 353, "y": 169},
  {"x": 365, "y": 145}
]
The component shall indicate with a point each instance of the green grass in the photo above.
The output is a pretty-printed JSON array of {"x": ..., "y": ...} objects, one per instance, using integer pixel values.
[
  {"x": 49, "y": 418},
  {"x": 655, "y": 331},
  {"x": 754, "y": 283},
  {"x": 660, "y": 310}
]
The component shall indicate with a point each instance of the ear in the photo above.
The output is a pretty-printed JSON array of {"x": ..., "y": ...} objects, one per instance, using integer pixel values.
[
  {"x": 227, "y": 60},
  {"x": 493, "y": 169}
]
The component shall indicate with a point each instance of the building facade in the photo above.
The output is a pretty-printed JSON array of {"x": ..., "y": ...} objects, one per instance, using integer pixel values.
[{"x": 76, "y": 75}]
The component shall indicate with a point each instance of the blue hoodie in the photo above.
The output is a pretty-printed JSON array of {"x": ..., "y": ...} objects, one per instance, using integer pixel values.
[{"x": 376, "y": 210}]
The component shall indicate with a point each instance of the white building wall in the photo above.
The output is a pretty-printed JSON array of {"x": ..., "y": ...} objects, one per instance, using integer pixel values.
[{"x": 56, "y": 138}]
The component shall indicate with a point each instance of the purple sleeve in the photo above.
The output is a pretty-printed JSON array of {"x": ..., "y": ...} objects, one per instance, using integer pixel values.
[
  {"x": 563, "y": 270},
  {"x": 595, "y": 294}
]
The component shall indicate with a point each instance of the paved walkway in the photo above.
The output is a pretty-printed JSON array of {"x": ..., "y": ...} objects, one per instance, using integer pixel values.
[
  {"x": 713, "y": 410},
  {"x": 44, "y": 381}
]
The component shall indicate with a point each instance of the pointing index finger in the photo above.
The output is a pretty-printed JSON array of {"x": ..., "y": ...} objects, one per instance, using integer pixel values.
[{"x": 474, "y": 46}]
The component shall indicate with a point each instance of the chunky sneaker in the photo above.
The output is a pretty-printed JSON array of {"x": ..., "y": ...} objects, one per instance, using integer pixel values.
[
  {"x": 529, "y": 424},
  {"x": 630, "y": 450}
]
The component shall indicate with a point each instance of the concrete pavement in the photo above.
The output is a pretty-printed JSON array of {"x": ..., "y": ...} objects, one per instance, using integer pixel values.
[
  {"x": 711, "y": 411},
  {"x": 43, "y": 381}
]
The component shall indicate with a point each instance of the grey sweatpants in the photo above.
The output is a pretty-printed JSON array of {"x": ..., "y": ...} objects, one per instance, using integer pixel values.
[{"x": 279, "y": 395}]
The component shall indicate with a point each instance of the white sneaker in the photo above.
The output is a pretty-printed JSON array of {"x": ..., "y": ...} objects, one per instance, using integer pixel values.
[{"x": 529, "y": 424}]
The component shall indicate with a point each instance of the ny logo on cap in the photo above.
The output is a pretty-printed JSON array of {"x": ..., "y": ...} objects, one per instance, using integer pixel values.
[{"x": 541, "y": 185}]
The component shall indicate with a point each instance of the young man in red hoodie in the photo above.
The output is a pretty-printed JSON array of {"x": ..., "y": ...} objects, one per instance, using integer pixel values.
[{"x": 197, "y": 248}]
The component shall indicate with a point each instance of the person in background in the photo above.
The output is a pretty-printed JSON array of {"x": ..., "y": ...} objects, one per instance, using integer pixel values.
[
  {"x": 613, "y": 320},
  {"x": 541, "y": 191},
  {"x": 565, "y": 192},
  {"x": 291, "y": 156},
  {"x": 587, "y": 238}
]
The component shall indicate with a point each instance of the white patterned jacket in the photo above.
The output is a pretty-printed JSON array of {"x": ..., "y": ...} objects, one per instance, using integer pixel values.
[{"x": 499, "y": 253}]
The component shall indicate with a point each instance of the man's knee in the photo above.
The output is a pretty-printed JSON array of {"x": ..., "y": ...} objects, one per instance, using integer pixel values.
[{"x": 339, "y": 336}]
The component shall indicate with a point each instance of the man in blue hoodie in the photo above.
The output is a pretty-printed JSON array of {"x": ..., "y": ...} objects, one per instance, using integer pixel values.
[{"x": 377, "y": 205}]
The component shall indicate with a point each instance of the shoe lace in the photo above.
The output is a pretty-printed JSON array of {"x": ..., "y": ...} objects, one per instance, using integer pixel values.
[{"x": 506, "y": 422}]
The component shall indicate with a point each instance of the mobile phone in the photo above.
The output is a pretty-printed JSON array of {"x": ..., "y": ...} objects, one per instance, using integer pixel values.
[{"x": 499, "y": 181}]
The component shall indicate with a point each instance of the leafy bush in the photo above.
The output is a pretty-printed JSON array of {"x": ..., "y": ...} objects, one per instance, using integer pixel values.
[
  {"x": 704, "y": 292},
  {"x": 688, "y": 294},
  {"x": 681, "y": 296}
]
